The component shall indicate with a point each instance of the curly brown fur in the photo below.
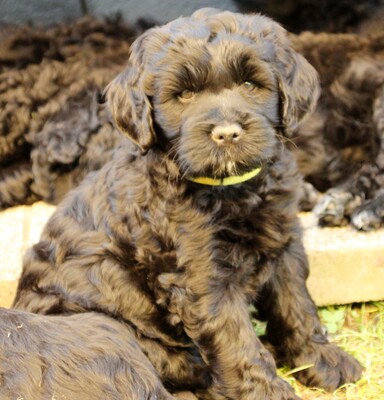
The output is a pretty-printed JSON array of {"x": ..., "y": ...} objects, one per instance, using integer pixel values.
[
  {"x": 340, "y": 147},
  {"x": 86, "y": 356},
  {"x": 93, "y": 41},
  {"x": 180, "y": 262},
  {"x": 50, "y": 76}
]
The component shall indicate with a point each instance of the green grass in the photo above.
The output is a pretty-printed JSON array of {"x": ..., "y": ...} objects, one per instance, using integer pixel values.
[{"x": 358, "y": 329}]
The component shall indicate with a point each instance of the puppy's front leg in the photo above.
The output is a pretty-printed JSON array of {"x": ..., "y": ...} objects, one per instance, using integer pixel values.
[
  {"x": 215, "y": 315},
  {"x": 294, "y": 329}
]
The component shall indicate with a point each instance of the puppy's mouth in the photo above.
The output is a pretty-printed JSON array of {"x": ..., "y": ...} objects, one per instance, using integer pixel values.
[{"x": 200, "y": 156}]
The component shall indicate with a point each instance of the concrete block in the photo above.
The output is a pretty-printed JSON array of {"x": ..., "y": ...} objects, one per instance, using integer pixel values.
[
  {"x": 346, "y": 266},
  {"x": 20, "y": 227}
]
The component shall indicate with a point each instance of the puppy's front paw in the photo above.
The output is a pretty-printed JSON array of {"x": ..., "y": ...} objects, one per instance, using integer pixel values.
[
  {"x": 332, "y": 366},
  {"x": 184, "y": 396},
  {"x": 310, "y": 196},
  {"x": 277, "y": 389},
  {"x": 281, "y": 390},
  {"x": 370, "y": 215},
  {"x": 335, "y": 207}
]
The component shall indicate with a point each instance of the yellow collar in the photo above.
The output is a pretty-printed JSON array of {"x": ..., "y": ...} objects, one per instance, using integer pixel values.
[{"x": 230, "y": 180}]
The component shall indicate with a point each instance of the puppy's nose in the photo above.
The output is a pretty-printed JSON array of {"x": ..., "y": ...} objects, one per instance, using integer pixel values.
[{"x": 226, "y": 134}]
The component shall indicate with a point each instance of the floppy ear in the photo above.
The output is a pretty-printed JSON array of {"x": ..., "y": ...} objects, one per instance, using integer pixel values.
[
  {"x": 298, "y": 86},
  {"x": 130, "y": 106}
]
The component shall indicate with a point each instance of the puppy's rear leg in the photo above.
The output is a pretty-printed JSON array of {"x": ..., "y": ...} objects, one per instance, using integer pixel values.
[{"x": 294, "y": 329}]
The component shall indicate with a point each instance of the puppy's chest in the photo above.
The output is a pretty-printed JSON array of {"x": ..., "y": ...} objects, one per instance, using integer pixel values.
[
  {"x": 235, "y": 241},
  {"x": 244, "y": 245},
  {"x": 255, "y": 224}
]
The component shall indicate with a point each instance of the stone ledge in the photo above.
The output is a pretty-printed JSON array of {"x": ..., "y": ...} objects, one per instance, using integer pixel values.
[
  {"x": 20, "y": 227},
  {"x": 346, "y": 266}
]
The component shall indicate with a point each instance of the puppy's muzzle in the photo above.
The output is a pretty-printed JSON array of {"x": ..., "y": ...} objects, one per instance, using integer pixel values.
[{"x": 227, "y": 134}]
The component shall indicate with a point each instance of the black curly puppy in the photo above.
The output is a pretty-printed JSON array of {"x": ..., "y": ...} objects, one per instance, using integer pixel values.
[{"x": 196, "y": 219}]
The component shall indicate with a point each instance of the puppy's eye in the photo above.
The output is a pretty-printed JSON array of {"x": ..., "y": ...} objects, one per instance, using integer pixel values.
[
  {"x": 250, "y": 85},
  {"x": 186, "y": 95}
]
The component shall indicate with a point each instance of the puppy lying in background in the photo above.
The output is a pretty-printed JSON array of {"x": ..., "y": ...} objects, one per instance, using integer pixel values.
[
  {"x": 340, "y": 147},
  {"x": 195, "y": 218}
]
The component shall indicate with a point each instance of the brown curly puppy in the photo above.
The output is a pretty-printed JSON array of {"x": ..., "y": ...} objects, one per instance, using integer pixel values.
[
  {"x": 53, "y": 132},
  {"x": 197, "y": 218}
]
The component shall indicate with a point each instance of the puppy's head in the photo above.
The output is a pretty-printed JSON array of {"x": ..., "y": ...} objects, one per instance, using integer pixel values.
[{"x": 216, "y": 87}]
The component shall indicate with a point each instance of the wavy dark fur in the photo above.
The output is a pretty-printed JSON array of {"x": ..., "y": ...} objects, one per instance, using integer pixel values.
[
  {"x": 178, "y": 263},
  {"x": 49, "y": 118}
]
